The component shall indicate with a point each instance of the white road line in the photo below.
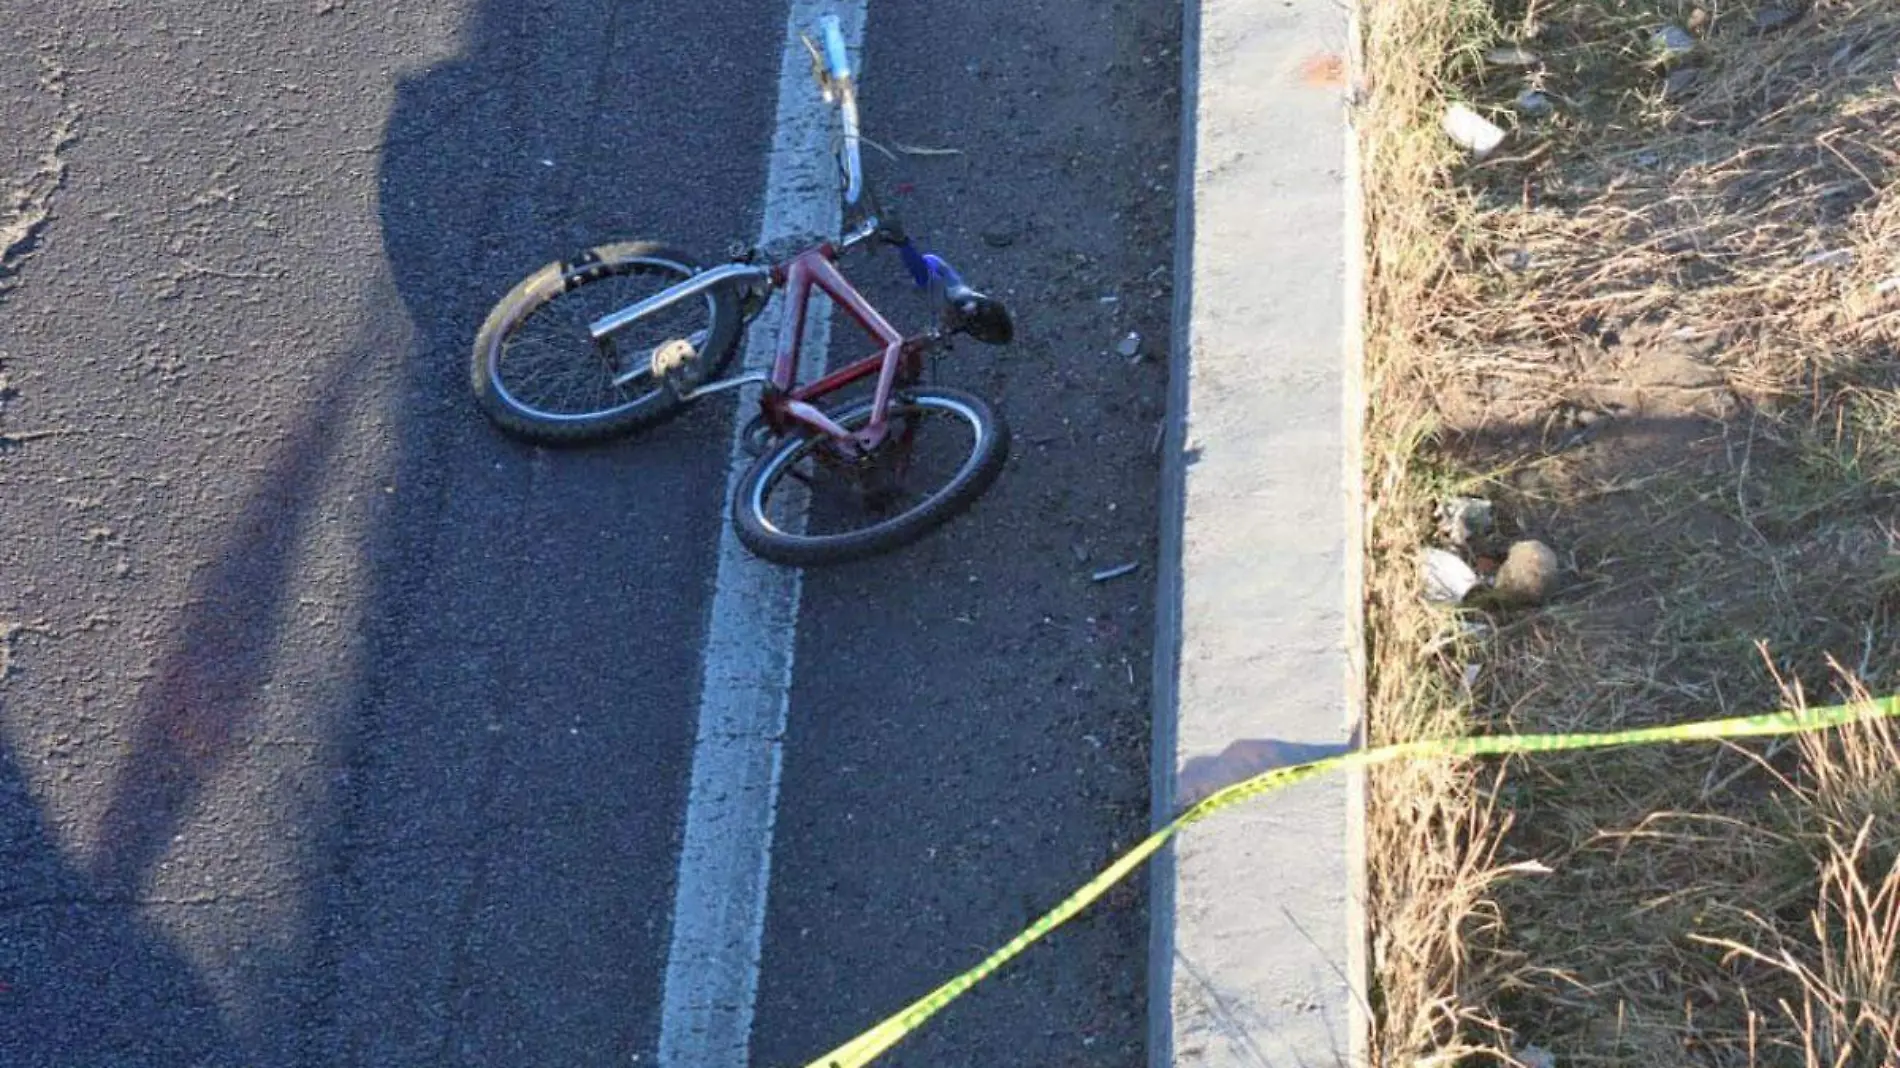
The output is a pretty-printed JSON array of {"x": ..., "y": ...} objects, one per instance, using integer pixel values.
[{"x": 712, "y": 964}]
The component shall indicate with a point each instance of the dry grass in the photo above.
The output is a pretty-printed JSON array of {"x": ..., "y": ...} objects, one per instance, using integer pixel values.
[{"x": 1658, "y": 330}]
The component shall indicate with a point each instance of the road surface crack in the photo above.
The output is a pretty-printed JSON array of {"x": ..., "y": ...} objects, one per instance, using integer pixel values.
[{"x": 28, "y": 203}]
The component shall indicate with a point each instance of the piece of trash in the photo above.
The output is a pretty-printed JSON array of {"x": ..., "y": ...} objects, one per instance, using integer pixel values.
[
  {"x": 920, "y": 150},
  {"x": 1472, "y": 672},
  {"x": 1109, "y": 298},
  {"x": 1447, "y": 577},
  {"x": 1470, "y": 630},
  {"x": 1671, "y": 42},
  {"x": 1472, "y": 130},
  {"x": 1835, "y": 257},
  {"x": 1532, "y": 102},
  {"x": 1130, "y": 346},
  {"x": 1512, "y": 57},
  {"x": 1463, "y": 518},
  {"x": 1115, "y": 572},
  {"x": 1887, "y": 285},
  {"x": 999, "y": 238},
  {"x": 547, "y": 163},
  {"x": 1647, "y": 159},
  {"x": 1520, "y": 260},
  {"x": 1536, "y": 1056}
]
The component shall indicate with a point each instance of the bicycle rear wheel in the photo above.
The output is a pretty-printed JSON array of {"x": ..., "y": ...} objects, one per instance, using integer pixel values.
[
  {"x": 538, "y": 374},
  {"x": 804, "y": 503}
]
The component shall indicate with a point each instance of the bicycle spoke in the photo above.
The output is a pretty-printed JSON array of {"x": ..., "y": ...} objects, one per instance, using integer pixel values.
[
  {"x": 921, "y": 455},
  {"x": 552, "y": 362}
]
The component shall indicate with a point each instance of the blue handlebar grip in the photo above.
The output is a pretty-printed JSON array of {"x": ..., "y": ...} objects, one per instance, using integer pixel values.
[
  {"x": 941, "y": 269},
  {"x": 834, "y": 47},
  {"x": 915, "y": 262}
]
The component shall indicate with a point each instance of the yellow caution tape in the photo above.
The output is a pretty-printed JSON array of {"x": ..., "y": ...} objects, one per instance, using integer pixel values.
[{"x": 868, "y": 1046}]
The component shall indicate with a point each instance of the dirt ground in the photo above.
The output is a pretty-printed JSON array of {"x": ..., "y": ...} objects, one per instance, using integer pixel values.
[{"x": 1656, "y": 330}]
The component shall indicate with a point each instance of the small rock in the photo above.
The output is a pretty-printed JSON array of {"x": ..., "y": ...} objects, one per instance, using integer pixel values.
[
  {"x": 1529, "y": 574},
  {"x": 1671, "y": 42},
  {"x": 1512, "y": 57},
  {"x": 1532, "y": 102},
  {"x": 1680, "y": 82},
  {"x": 1472, "y": 130},
  {"x": 1130, "y": 346},
  {"x": 1447, "y": 577},
  {"x": 1776, "y": 17},
  {"x": 999, "y": 237}
]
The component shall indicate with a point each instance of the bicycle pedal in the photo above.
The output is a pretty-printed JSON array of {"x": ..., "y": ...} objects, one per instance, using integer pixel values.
[{"x": 677, "y": 364}]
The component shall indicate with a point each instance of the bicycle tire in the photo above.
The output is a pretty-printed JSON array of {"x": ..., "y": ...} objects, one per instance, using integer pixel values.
[
  {"x": 988, "y": 452},
  {"x": 541, "y": 290}
]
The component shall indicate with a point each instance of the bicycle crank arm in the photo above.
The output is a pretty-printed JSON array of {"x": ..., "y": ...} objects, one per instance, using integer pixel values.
[{"x": 666, "y": 298}]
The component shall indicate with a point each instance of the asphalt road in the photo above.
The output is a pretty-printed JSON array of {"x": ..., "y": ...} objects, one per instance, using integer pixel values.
[{"x": 336, "y": 729}]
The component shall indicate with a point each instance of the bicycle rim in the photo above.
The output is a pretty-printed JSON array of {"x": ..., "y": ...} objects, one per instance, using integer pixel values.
[
  {"x": 806, "y": 496},
  {"x": 550, "y": 369}
]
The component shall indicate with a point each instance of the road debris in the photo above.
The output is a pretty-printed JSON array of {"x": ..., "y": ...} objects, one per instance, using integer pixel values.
[
  {"x": 1512, "y": 56},
  {"x": 1462, "y": 519},
  {"x": 921, "y": 150},
  {"x": 1472, "y": 131},
  {"x": 1536, "y": 1056},
  {"x": 1447, "y": 577}
]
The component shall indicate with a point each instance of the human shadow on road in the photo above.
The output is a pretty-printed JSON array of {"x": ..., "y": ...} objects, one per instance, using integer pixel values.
[{"x": 84, "y": 979}]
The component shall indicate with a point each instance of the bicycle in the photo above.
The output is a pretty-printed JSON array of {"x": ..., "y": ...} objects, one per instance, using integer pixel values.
[{"x": 863, "y": 452}]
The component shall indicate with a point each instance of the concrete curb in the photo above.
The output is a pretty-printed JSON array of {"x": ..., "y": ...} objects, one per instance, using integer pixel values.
[{"x": 1257, "y": 950}]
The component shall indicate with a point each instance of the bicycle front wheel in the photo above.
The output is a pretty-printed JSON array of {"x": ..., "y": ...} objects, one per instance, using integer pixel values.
[
  {"x": 805, "y": 503},
  {"x": 538, "y": 373}
]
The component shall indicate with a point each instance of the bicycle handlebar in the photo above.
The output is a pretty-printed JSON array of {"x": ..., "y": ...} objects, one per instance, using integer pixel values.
[{"x": 840, "y": 79}]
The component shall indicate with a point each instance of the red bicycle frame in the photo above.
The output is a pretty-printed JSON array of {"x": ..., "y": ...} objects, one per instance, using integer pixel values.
[{"x": 783, "y": 400}]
